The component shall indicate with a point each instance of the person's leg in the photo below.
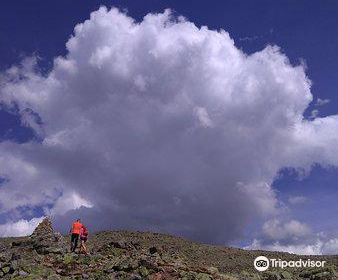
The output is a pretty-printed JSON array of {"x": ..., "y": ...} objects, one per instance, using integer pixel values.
[
  {"x": 72, "y": 240},
  {"x": 75, "y": 242},
  {"x": 81, "y": 247},
  {"x": 85, "y": 247}
]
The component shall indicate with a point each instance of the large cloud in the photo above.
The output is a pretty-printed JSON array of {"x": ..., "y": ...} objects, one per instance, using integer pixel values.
[
  {"x": 19, "y": 228},
  {"x": 159, "y": 125},
  {"x": 294, "y": 236}
]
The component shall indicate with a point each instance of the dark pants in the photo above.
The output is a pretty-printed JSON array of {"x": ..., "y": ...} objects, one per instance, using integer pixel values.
[{"x": 74, "y": 240}]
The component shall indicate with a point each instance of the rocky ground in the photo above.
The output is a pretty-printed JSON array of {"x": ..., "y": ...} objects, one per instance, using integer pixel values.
[{"x": 140, "y": 255}]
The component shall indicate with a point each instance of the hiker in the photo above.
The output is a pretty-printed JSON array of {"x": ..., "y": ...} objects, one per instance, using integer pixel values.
[
  {"x": 83, "y": 238},
  {"x": 75, "y": 230}
]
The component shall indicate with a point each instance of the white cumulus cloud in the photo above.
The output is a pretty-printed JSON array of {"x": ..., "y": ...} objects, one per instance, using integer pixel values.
[
  {"x": 19, "y": 228},
  {"x": 276, "y": 230},
  {"x": 294, "y": 237}
]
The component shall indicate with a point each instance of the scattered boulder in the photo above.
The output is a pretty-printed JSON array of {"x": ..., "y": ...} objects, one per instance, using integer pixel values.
[
  {"x": 23, "y": 273},
  {"x": 118, "y": 244},
  {"x": 143, "y": 271},
  {"x": 286, "y": 275},
  {"x": 213, "y": 270},
  {"x": 16, "y": 243},
  {"x": 155, "y": 249},
  {"x": 273, "y": 276},
  {"x": 325, "y": 275},
  {"x": 203, "y": 276}
]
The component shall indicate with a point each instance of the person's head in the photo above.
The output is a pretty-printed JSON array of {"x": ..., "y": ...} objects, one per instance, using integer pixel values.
[{"x": 78, "y": 220}]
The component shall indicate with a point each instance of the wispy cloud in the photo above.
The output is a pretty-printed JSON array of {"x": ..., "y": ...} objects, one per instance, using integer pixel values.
[
  {"x": 322, "y": 102},
  {"x": 297, "y": 199}
]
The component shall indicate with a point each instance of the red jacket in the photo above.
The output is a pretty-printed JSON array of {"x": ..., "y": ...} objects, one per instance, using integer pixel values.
[{"x": 84, "y": 232}]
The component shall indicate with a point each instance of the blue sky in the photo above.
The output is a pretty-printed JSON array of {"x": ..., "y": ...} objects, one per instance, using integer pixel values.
[{"x": 306, "y": 32}]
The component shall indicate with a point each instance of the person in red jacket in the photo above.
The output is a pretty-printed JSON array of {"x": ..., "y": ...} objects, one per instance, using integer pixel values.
[
  {"x": 83, "y": 238},
  {"x": 75, "y": 230}
]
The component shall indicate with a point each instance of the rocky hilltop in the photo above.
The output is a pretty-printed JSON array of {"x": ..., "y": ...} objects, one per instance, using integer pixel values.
[{"x": 140, "y": 255}]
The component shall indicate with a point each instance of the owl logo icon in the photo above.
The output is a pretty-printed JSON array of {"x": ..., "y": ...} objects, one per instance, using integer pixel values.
[{"x": 261, "y": 263}]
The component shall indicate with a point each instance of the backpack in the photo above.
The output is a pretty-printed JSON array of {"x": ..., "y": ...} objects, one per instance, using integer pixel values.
[{"x": 84, "y": 232}]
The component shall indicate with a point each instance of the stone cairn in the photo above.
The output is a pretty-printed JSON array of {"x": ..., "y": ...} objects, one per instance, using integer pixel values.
[
  {"x": 44, "y": 228},
  {"x": 45, "y": 240}
]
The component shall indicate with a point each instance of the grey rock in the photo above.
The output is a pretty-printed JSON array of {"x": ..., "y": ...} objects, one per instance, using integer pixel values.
[
  {"x": 23, "y": 273},
  {"x": 54, "y": 277},
  {"x": 14, "y": 264}
]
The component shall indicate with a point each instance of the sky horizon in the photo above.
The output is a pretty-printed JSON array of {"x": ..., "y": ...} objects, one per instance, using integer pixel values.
[{"x": 215, "y": 122}]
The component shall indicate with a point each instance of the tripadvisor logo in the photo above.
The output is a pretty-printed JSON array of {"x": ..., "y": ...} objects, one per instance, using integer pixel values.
[{"x": 262, "y": 263}]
